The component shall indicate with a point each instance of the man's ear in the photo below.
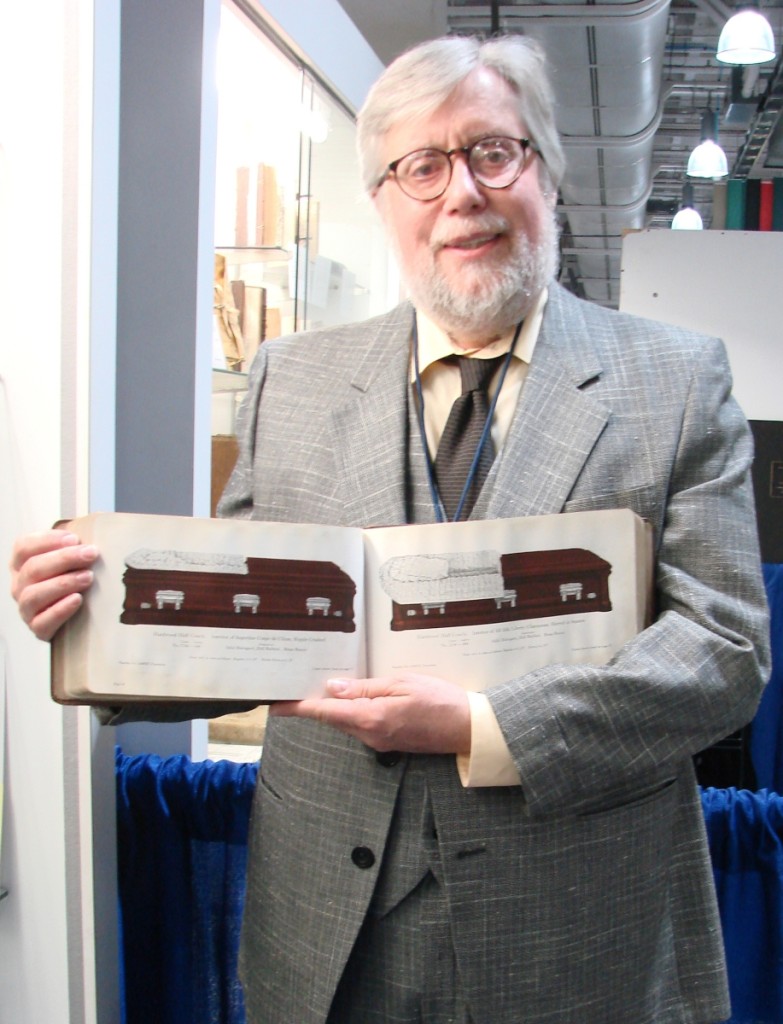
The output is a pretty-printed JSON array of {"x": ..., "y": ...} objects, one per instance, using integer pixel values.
[
  {"x": 548, "y": 187},
  {"x": 376, "y": 197}
]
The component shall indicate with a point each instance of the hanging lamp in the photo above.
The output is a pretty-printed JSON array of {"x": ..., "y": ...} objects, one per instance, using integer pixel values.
[
  {"x": 687, "y": 217},
  {"x": 746, "y": 39},
  {"x": 708, "y": 160}
]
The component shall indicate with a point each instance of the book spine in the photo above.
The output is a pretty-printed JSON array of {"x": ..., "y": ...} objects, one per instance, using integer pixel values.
[
  {"x": 777, "y": 205},
  {"x": 752, "y": 204},
  {"x": 240, "y": 227},
  {"x": 765, "y": 206},
  {"x": 259, "y": 233},
  {"x": 735, "y": 204},
  {"x": 719, "y": 198}
]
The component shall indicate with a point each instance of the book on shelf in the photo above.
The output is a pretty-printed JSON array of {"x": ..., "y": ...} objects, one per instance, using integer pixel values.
[
  {"x": 766, "y": 203},
  {"x": 185, "y": 609},
  {"x": 735, "y": 204},
  {"x": 777, "y": 204},
  {"x": 719, "y": 197},
  {"x": 242, "y": 204},
  {"x": 752, "y": 204}
]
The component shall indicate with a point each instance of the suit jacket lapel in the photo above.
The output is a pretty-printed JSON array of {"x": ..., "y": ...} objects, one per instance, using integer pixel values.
[
  {"x": 371, "y": 429},
  {"x": 556, "y": 423},
  {"x": 555, "y": 426}
]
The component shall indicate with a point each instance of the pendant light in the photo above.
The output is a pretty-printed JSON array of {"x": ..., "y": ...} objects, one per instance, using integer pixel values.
[
  {"x": 687, "y": 217},
  {"x": 746, "y": 39},
  {"x": 708, "y": 160}
]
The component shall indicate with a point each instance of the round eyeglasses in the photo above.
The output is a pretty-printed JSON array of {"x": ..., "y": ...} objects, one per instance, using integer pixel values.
[{"x": 495, "y": 162}]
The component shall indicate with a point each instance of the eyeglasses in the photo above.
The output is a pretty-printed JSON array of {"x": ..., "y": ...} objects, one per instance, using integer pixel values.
[{"x": 495, "y": 162}]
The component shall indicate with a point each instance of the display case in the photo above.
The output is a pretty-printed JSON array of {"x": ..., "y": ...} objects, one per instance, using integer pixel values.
[{"x": 298, "y": 245}]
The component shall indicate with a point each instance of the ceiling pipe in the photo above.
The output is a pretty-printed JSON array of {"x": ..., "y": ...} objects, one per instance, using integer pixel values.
[
  {"x": 715, "y": 9},
  {"x": 617, "y": 208},
  {"x": 610, "y": 141},
  {"x": 566, "y": 14}
]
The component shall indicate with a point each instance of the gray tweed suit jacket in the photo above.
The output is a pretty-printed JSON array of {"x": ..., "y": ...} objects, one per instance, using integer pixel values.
[{"x": 585, "y": 896}]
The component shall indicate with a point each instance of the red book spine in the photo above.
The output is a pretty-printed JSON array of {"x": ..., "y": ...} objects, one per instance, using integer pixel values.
[{"x": 766, "y": 202}]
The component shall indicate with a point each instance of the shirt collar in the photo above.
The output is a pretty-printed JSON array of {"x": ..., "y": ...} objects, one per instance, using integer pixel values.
[{"x": 435, "y": 344}]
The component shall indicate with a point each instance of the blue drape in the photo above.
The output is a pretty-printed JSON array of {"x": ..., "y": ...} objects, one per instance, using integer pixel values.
[
  {"x": 182, "y": 853},
  {"x": 745, "y": 833},
  {"x": 182, "y": 857},
  {"x": 766, "y": 742}
]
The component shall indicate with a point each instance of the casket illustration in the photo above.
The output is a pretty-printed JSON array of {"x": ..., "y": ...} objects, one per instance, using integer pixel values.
[
  {"x": 186, "y": 588},
  {"x": 475, "y": 587}
]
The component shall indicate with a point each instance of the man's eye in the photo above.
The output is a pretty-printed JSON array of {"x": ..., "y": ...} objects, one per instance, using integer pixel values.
[
  {"x": 493, "y": 154},
  {"x": 424, "y": 167}
]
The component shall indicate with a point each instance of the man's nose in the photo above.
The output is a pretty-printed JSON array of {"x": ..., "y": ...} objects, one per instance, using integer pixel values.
[{"x": 463, "y": 191}]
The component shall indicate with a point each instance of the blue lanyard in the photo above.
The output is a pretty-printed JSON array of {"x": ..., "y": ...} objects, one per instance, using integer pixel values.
[{"x": 437, "y": 504}]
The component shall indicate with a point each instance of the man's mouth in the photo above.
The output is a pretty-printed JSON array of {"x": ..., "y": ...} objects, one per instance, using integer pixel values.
[{"x": 474, "y": 242}]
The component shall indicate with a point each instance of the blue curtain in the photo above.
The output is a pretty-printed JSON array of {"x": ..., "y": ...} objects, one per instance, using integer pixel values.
[
  {"x": 746, "y": 844},
  {"x": 766, "y": 737},
  {"x": 182, "y": 857},
  {"x": 182, "y": 853}
]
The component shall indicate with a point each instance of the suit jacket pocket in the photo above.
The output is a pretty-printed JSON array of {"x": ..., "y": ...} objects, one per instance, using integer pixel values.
[{"x": 632, "y": 805}]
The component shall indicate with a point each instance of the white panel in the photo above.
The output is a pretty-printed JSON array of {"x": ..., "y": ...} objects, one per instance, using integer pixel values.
[
  {"x": 33, "y": 937},
  {"x": 724, "y": 283},
  {"x": 326, "y": 36}
]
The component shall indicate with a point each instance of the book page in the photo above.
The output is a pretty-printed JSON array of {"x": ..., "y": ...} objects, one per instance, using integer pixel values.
[
  {"x": 187, "y": 608},
  {"x": 482, "y": 602}
]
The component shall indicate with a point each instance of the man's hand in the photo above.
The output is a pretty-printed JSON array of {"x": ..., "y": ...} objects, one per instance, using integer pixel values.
[
  {"x": 49, "y": 573},
  {"x": 412, "y": 713}
]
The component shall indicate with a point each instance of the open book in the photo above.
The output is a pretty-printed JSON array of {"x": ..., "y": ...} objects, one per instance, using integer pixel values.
[{"x": 190, "y": 609}]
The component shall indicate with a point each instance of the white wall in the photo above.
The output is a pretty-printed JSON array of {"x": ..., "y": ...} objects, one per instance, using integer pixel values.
[
  {"x": 41, "y": 251},
  {"x": 725, "y": 283}
]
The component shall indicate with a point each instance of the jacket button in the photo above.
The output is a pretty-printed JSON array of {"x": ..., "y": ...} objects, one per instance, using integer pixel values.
[
  {"x": 362, "y": 856},
  {"x": 388, "y": 758}
]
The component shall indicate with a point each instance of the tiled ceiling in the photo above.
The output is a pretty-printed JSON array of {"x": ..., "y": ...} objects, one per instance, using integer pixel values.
[{"x": 632, "y": 80}]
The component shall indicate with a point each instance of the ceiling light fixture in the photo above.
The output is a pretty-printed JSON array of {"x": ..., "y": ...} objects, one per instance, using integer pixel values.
[
  {"x": 687, "y": 218},
  {"x": 708, "y": 160},
  {"x": 746, "y": 39}
]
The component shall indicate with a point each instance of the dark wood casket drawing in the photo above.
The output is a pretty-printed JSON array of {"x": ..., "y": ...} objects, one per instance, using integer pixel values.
[
  {"x": 478, "y": 587},
  {"x": 180, "y": 588}
]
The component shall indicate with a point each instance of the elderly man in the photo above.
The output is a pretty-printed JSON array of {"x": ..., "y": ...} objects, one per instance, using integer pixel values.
[{"x": 534, "y": 853}]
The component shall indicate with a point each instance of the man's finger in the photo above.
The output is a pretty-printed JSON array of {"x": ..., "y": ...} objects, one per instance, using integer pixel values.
[
  {"x": 352, "y": 689},
  {"x": 33, "y": 544}
]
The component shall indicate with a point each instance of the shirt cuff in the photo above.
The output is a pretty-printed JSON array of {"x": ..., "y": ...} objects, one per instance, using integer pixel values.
[{"x": 489, "y": 762}]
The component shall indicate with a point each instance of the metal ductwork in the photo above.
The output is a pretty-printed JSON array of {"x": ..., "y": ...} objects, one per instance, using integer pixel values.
[{"x": 606, "y": 64}]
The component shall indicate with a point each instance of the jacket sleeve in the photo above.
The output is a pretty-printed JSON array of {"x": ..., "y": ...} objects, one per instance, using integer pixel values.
[{"x": 586, "y": 737}]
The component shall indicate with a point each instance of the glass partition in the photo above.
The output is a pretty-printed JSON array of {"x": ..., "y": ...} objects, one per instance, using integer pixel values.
[{"x": 298, "y": 244}]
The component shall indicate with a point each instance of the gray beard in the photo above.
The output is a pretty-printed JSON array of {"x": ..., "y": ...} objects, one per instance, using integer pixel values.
[{"x": 498, "y": 297}]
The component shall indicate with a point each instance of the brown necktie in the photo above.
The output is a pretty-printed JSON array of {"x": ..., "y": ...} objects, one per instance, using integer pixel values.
[{"x": 462, "y": 436}]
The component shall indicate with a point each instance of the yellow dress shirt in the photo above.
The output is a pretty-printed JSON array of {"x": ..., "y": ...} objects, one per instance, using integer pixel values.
[{"x": 489, "y": 762}]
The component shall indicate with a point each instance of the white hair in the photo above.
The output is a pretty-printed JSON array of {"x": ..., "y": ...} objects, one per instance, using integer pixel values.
[{"x": 421, "y": 80}]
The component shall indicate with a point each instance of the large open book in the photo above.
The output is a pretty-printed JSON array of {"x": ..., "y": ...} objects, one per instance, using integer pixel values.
[{"x": 192, "y": 609}]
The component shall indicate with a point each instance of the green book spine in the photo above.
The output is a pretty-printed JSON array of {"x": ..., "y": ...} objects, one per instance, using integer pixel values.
[
  {"x": 735, "y": 205},
  {"x": 777, "y": 205}
]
